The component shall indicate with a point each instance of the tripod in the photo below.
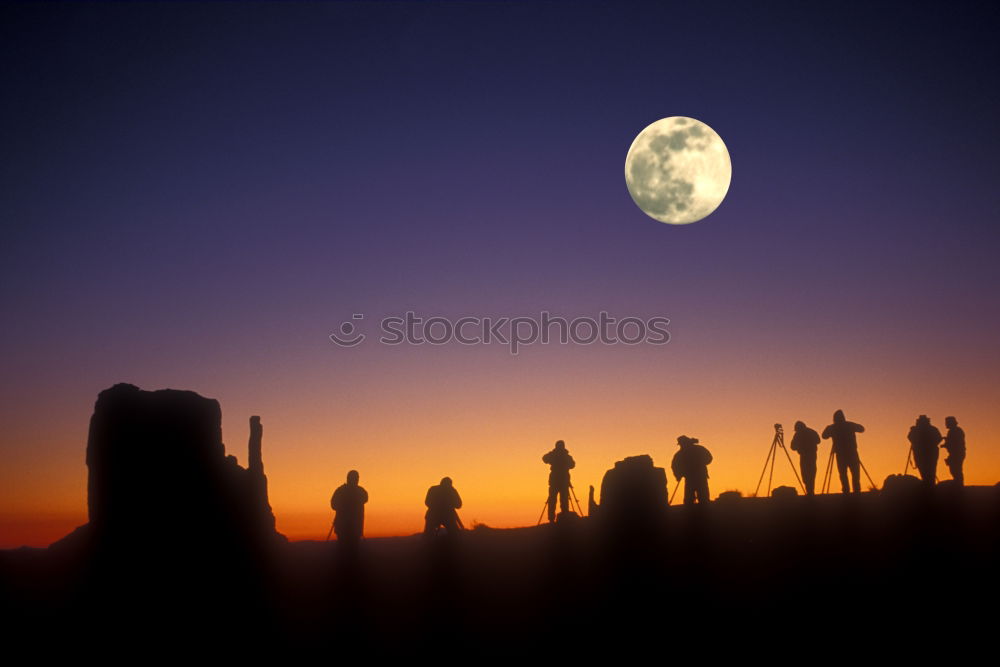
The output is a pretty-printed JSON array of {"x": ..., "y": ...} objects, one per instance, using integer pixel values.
[
  {"x": 909, "y": 458},
  {"x": 828, "y": 476},
  {"x": 772, "y": 456},
  {"x": 572, "y": 492},
  {"x": 910, "y": 462}
]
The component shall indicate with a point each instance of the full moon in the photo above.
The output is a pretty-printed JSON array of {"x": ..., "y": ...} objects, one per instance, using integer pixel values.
[{"x": 678, "y": 170}]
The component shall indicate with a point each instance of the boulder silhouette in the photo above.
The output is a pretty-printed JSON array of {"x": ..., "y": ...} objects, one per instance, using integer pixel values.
[
  {"x": 729, "y": 497},
  {"x": 784, "y": 492},
  {"x": 634, "y": 490},
  {"x": 901, "y": 485}
]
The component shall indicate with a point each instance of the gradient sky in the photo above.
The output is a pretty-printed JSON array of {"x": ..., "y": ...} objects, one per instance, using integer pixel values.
[{"x": 196, "y": 196}]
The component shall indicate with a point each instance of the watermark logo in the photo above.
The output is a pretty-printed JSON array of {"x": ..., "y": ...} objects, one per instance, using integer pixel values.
[
  {"x": 348, "y": 334},
  {"x": 513, "y": 332}
]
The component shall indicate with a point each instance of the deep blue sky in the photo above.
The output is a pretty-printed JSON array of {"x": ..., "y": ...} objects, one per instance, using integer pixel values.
[{"x": 156, "y": 148}]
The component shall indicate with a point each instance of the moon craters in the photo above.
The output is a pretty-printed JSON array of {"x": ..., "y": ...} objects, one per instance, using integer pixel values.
[{"x": 678, "y": 170}]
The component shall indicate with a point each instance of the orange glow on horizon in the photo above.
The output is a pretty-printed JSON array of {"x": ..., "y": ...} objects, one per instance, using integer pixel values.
[
  {"x": 407, "y": 424},
  {"x": 490, "y": 441}
]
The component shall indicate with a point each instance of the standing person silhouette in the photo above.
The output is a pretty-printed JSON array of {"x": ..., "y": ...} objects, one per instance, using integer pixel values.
[
  {"x": 924, "y": 438},
  {"x": 348, "y": 502},
  {"x": 806, "y": 442},
  {"x": 954, "y": 442},
  {"x": 560, "y": 463},
  {"x": 691, "y": 462},
  {"x": 845, "y": 447},
  {"x": 442, "y": 502}
]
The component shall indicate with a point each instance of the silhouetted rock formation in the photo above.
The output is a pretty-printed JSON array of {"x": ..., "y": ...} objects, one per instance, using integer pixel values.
[
  {"x": 633, "y": 490},
  {"x": 179, "y": 532},
  {"x": 157, "y": 470},
  {"x": 256, "y": 480}
]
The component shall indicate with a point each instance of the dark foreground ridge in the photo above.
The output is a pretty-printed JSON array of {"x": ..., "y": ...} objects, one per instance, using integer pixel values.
[{"x": 181, "y": 552}]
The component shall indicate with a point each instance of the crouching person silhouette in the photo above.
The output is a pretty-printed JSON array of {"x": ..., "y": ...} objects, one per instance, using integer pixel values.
[{"x": 442, "y": 503}]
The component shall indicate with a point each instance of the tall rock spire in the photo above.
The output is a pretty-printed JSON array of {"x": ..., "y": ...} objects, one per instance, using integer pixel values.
[
  {"x": 256, "y": 479},
  {"x": 255, "y": 457}
]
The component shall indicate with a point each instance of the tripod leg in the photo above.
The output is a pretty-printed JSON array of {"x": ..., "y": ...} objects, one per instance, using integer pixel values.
[
  {"x": 870, "y": 480},
  {"x": 543, "y": 513},
  {"x": 827, "y": 477},
  {"x": 770, "y": 452},
  {"x": 796, "y": 472},
  {"x": 774, "y": 457},
  {"x": 791, "y": 463},
  {"x": 909, "y": 457},
  {"x": 677, "y": 486},
  {"x": 579, "y": 508}
]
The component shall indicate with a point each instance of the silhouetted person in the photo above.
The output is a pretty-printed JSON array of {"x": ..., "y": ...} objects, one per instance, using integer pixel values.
[
  {"x": 924, "y": 438},
  {"x": 954, "y": 442},
  {"x": 442, "y": 502},
  {"x": 691, "y": 463},
  {"x": 348, "y": 502},
  {"x": 561, "y": 463},
  {"x": 845, "y": 447},
  {"x": 806, "y": 442}
]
